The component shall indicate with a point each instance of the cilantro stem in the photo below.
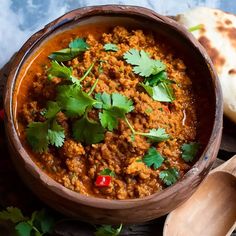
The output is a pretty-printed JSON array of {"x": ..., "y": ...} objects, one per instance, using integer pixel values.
[
  {"x": 196, "y": 27},
  {"x": 130, "y": 126},
  {"x": 93, "y": 87},
  {"x": 86, "y": 73}
]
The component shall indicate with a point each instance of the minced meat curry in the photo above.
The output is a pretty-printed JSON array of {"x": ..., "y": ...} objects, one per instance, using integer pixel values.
[{"x": 111, "y": 114}]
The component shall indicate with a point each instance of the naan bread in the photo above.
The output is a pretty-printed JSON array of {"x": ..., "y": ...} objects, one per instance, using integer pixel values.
[{"x": 218, "y": 36}]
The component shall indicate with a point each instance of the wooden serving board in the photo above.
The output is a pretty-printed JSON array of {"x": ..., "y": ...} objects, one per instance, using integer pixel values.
[{"x": 14, "y": 193}]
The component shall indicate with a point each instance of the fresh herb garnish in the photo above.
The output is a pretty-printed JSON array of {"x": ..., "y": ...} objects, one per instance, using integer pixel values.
[
  {"x": 108, "y": 230},
  {"x": 169, "y": 176},
  {"x": 52, "y": 109},
  {"x": 153, "y": 158},
  {"x": 156, "y": 135},
  {"x": 143, "y": 64},
  {"x": 196, "y": 27},
  {"x": 159, "y": 87},
  {"x": 75, "y": 48},
  {"x": 40, "y": 223},
  {"x": 61, "y": 71},
  {"x": 111, "y": 47},
  {"x": 107, "y": 171},
  {"x": 88, "y": 131},
  {"x": 40, "y": 134},
  {"x": 114, "y": 106},
  {"x": 73, "y": 100},
  {"x": 189, "y": 151}
]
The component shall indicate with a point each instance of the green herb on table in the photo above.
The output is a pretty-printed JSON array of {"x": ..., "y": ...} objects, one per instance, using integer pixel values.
[
  {"x": 159, "y": 87},
  {"x": 143, "y": 64},
  {"x": 40, "y": 223},
  {"x": 107, "y": 171},
  {"x": 153, "y": 158},
  {"x": 196, "y": 27},
  {"x": 75, "y": 48},
  {"x": 114, "y": 106},
  {"x": 111, "y": 47},
  {"x": 189, "y": 151},
  {"x": 61, "y": 71},
  {"x": 169, "y": 176},
  {"x": 88, "y": 131},
  {"x": 108, "y": 230}
]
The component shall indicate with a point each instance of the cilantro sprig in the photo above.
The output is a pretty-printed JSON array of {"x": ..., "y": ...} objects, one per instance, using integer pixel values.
[
  {"x": 153, "y": 158},
  {"x": 169, "y": 176},
  {"x": 40, "y": 223},
  {"x": 189, "y": 151},
  {"x": 108, "y": 230},
  {"x": 111, "y": 47},
  {"x": 75, "y": 48},
  {"x": 107, "y": 171}
]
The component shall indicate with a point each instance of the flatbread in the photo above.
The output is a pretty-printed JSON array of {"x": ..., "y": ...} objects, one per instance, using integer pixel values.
[{"x": 218, "y": 36}]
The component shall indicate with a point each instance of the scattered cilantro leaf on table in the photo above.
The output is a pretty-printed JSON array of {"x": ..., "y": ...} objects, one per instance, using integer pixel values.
[
  {"x": 62, "y": 71},
  {"x": 156, "y": 135},
  {"x": 13, "y": 214},
  {"x": 153, "y": 158},
  {"x": 114, "y": 106},
  {"x": 189, "y": 151},
  {"x": 108, "y": 230},
  {"x": 169, "y": 176},
  {"x": 107, "y": 171},
  {"x": 196, "y": 27},
  {"x": 88, "y": 131},
  {"x": 143, "y": 64},
  {"x": 111, "y": 47},
  {"x": 73, "y": 100},
  {"x": 75, "y": 48}
]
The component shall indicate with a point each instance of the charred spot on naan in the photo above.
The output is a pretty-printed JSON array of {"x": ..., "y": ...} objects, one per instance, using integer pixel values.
[
  {"x": 232, "y": 71},
  {"x": 230, "y": 32},
  {"x": 214, "y": 54}
]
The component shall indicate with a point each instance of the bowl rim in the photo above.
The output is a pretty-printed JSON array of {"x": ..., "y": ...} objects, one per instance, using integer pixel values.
[{"x": 78, "y": 14}]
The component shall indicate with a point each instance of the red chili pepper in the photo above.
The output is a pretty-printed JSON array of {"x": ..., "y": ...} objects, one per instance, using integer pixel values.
[
  {"x": 1, "y": 114},
  {"x": 166, "y": 109},
  {"x": 103, "y": 181}
]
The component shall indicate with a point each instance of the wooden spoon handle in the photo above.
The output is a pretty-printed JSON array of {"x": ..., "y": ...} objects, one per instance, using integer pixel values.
[{"x": 229, "y": 166}]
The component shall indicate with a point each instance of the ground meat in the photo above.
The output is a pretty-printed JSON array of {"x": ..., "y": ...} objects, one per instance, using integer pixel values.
[{"x": 75, "y": 165}]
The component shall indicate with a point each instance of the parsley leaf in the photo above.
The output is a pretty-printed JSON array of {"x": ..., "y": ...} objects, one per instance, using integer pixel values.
[
  {"x": 73, "y": 100},
  {"x": 156, "y": 135},
  {"x": 37, "y": 136},
  {"x": 52, "y": 109},
  {"x": 75, "y": 48},
  {"x": 115, "y": 106},
  {"x": 56, "y": 134},
  {"x": 13, "y": 214},
  {"x": 189, "y": 151},
  {"x": 107, "y": 171},
  {"x": 169, "y": 176},
  {"x": 143, "y": 64},
  {"x": 111, "y": 47},
  {"x": 88, "y": 131},
  {"x": 108, "y": 230},
  {"x": 62, "y": 71},
  {"x": 153, "y": 158}
]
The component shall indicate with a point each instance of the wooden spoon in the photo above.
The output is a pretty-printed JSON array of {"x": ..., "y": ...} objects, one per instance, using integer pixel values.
[{"x": 211, "y": 211}]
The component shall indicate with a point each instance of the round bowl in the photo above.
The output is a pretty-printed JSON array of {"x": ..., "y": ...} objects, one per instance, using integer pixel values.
[{"x": 209, "y": 110}]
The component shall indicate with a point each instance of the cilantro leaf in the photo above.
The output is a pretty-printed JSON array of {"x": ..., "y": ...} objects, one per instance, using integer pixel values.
[
  {"x": 80, "y": 44},
  {"x": 56, "y": 134},
  {"x": 169, "y": 176},
  {"x": 143, "y": 64},
  {"x": 115, "y": 106},
  {"x": 62, "y": 71},
  {"x": 156, "y": 135},
  {"x": 75, "y": 48},
  {"x": 73, "y": 100},
  {"x": 52, "y": 109},
  {"x": 111, "y": 47},
  {"x": 13, "y": 214},
  {"x": 107, "y": 171},
  {"x": 37, "y": 136},
  {"x": 153, "y": 158},
  {"x": 189, "y": 151},
  {"x": 88, "y": 131},
  {"x": 23, "y": 229},
  {"x": 108, "y": 230}
]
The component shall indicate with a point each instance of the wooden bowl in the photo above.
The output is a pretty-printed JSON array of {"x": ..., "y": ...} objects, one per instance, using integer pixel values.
[{"x": 209, "y": 110}]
